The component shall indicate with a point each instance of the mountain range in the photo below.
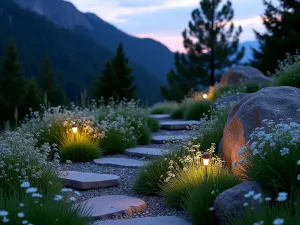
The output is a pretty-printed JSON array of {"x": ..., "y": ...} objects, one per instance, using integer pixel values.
[{"x": 78, "y": 45}]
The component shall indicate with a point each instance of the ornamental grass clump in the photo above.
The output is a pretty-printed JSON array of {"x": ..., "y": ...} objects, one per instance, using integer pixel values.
[
  {"x": 183, "y": 178},
  {"x": 272, "y": 156},
  {"x": 288, "y": 72},
  {"x": 163, "y": 107},
  {"x": 196, "y": 109}
]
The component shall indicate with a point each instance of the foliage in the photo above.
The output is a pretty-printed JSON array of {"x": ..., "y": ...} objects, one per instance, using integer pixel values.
[
  {"x": 116, "y": 81},
  {"x": 211, "y": 43},
  {"x": 199, "y": 201},
  {"x": 153, "y": 124},
  {"x": 196, "y": 109},
  {"x": 281, "y": 35},
  {"x": 145, "y": 135},
  {"x": 49, "y": 86},
  {"x": 271, "y": 156},
  {"x": 79, "y": 147},
  {"x": 270, "y": 212},
  {"x": 178, "y": 113},
  {"x": 288, "y": 72},
  {"x": 163, "y": 107}
]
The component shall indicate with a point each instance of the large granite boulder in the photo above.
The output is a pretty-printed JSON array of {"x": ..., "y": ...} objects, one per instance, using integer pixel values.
[
  {"x": 226, "y": 100},
  {"x": 235, "y": 200},
  {"x": 268, "y": 103},
  {"x": 239, "y": 74}
]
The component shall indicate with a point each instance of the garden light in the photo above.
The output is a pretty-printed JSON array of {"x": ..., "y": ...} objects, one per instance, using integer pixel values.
[
  {"x": 74, "y": 128},
  {"x": 206, "y": 158},
  {"x": 204, "y": 96}
]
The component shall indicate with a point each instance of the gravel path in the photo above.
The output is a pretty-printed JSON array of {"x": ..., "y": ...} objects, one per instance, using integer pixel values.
[{"x": 155, "y": 204}]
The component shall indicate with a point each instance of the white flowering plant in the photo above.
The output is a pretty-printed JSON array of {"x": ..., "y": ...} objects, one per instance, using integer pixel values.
[{"x": 271, "y": 156}]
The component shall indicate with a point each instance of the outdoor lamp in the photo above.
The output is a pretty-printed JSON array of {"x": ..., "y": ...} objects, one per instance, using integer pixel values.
[
  {"x": 204, "y": 96},
  {"x": 206, "y": 158},
  {"x": 74, "y": 128}
]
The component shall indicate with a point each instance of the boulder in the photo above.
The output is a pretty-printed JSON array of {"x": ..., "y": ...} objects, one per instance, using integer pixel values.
[
  {"x": 226, "y": 100},
  {"x": 268, "y": 103},
  {"x": 231, "y": 202},
  {"x": 239, "y": 74}
]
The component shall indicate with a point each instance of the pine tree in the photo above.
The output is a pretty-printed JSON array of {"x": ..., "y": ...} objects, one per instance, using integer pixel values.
[
  {"x": 49, "y": 85},
  {"x": 116, "y": 80},
  {"x": 282, "y": 34},
  {"x": 33, "y": 97},
  {"x": 12, "y": 84},
  {"x": 211, "y": 43}
]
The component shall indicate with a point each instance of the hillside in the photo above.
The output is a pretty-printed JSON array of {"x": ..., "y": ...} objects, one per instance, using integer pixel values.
[
  {"x": 75, "y": 58},
  {"x": 153, "y": 55}
]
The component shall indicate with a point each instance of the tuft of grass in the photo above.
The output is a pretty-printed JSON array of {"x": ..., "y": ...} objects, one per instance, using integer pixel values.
[
  {"x": 178, "y": 113},
  {"x": 163, "y": 107},
  {"x": 145, "y": 135},
  {"x": 79, "y": 147},
  {"x": 47, "y": 209},
  {"x": 185, "y": 181},
  {"x": 116, "y": 142},
  {"x": 149, "y": 178},
  {"x": 153, "y": 124},
  {"x": 200, "y": 198},
  {"x": 195, "y": 110}
]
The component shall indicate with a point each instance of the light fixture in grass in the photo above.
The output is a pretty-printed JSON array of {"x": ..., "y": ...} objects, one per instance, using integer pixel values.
[
  {"x": 199, "y": 199},
  {"x": 271, "y": 156},
  {"x": 271, "y": 212},
  {"x": 39, "y": 209},
  {"x": 195, "y": 110},
  {"x": 79, "y": 146}
]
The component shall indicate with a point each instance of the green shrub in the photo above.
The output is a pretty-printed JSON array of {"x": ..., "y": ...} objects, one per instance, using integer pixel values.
[
  {"x": 151, "y": 176},
  {"x": 116, "y": 142},
  {"x": 269, "y": 212},
  {"x": 195, "y": 110},
  {"x": 200, "y": 199},
  {"x": 144, "y": 135},
  {"x": 38, "y": 210},
  {"x": 163, "y": 107},
  {"x": 288, "y": 72},
  {"x": 271, "y": 157},
  {"x": 178, "y": 113},
  {"x": 153, "y": 124}
]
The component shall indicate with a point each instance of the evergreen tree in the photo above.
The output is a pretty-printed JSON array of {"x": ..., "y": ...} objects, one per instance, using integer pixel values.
[
  {"x": 49, "y": 86},
  {"x": 33, "y": 97},
  {"x": 116, "y": 80},
  {"x": 12, "y": 84},
  {"x": 282, "y": 34},
  {"x": 211, "y": 43}
]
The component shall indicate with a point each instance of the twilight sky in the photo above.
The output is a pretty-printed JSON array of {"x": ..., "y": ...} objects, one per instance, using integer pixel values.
[{"x": 164, "y": 20}]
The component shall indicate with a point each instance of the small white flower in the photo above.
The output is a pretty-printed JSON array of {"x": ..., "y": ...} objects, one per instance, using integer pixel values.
[
  {"x": 58, "y": 197},
  {"x": 284, "y": 151},
  {"x": 259, "y": 223},
  {"x": 282, "y": 196},
  {"x": 257, "y": 196},
  {"x": 5, "y": 220},
  {"x": 31, "y": 190},
  {"x": 65, "y": 190},
  {"x": 77, "y": 193},
  {"x": 25, "y": 184},
  {"x": 249, "y": 194},
  {"x": 21, "y": 215},
  {"x": 3, "y": 213},
  {"x": 298, "y": 162},
  {"x": 278, "y": 221},
  {"x": 211, "y": 209},
  {"x": 25, "y": 222},
  {"x": 298, "y": 177},
  {"x": 73, "y": 199},
  {"x": 268, "y": 199},
  {"x": 36, "y": 195},
  {"x": 245, "y": 204}
]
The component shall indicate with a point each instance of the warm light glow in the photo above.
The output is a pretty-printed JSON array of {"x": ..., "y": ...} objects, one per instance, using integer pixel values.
[
  {"x": 74, "y": 128},
  {"x": 206, "y": 158},
  {"x": 204, "y": 96}
]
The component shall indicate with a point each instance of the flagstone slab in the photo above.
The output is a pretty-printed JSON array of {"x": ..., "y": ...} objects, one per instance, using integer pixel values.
[
  {"x": 86, "y": 181},
  {"x": 120, "y": 162},
  {"x": 178, "y": 124},
  {"x": 113, "y": 205},
  {"x": 161, "y": 116},
  {"x": 144, "y": 152},
  {"x": 161, "y": 139},
  {"x": 159, "y": 220}
]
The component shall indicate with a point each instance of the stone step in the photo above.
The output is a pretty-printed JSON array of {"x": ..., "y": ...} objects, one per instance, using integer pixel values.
[
  {"x": 161, "y": 116},
  {"x": 161, "y": 139},
  {"x": 143, "y": 152},
  {"x": 159, "y": 220},
  {"x": 120, "y": 162},
  {"x": 113, "y": 205},
  {"x": 86, "y": 181},
  {"x": 178, "y": 124}
]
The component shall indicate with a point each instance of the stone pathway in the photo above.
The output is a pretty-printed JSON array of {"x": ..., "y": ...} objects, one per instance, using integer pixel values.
[
  {"x": 159, "y": 220},
  {"x": 109, "y": 204},
  {"x": 143, "y": 152},
  {"x": 87, "y": 181}
]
